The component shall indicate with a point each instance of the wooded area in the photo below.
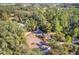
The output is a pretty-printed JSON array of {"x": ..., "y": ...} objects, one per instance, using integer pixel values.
[{"x": 56, "y": 26}]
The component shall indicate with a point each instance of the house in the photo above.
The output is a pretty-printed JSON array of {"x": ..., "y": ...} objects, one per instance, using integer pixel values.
[
  {"x": 39, "y": 33},
  {"x": 35, "y": 42},
  {"x": 75, "y": 40},
  {"x": 45, "y": 37},
  {"x": 43, "y": 46}
]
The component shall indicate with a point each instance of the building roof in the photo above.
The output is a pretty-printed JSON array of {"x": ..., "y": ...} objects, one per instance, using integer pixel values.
[
  {"x": 75, "y": 40},
  {"x": 38, "y": 31}
]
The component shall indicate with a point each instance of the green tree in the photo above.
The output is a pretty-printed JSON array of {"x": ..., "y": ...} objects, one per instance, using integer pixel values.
[
  {"x": 45, "y": 26},
  {"x": 58, "y": 26},
  {"x": 31, "y": 25},
  {"x": 12, "y": 38}
]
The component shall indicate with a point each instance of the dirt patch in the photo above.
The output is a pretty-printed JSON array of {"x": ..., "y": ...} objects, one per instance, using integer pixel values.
[{"x": 32, "y": 40}]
